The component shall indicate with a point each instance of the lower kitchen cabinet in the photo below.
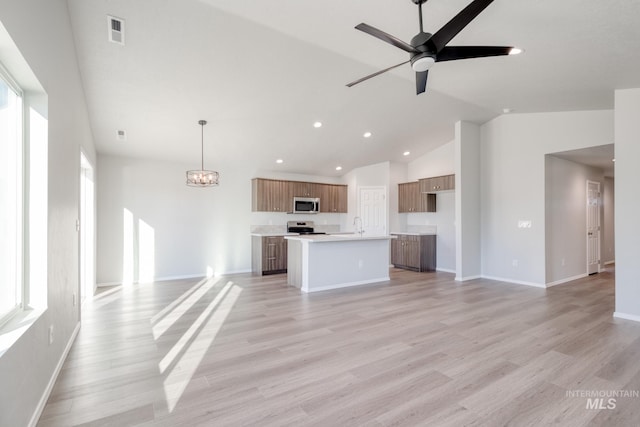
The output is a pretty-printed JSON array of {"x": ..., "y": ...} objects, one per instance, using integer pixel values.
[
  {"x": 414, "y": 252},
  {"x": 268, "y": 255}
]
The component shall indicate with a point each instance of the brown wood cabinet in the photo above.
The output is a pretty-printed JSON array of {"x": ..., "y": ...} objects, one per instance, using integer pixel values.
[
  {"x": 411, "y": 199},
  {"x": 272, "y": 195},
  {"x": 268, "y": 255},
  {"x": 333, "y": 198},
  {"x": 414, "y": 252},
  {"x": 438, "y": 183},
  {"x": 306, "y": 189}
]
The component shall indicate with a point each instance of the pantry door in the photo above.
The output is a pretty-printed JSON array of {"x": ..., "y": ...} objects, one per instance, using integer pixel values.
[{"x": 373, "y": 210}]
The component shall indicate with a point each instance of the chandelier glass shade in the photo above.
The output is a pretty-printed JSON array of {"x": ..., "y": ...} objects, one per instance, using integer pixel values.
[{"x": 202, "y": 177}]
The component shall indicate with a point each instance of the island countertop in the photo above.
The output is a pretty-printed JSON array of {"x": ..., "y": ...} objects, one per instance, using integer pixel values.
[
  {"x": 414, "y": 233},
  {"x": 325, "y": 238}
]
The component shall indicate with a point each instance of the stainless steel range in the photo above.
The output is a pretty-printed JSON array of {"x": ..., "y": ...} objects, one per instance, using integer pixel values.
[{"x": 302, "y": 227}]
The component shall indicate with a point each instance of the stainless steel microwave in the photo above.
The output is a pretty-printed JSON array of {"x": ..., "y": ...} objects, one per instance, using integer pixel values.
[{"x": 306, "y": 205}]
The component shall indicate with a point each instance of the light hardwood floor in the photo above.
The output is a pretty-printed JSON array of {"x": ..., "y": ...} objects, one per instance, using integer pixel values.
[{"x": 418, "y": 350}]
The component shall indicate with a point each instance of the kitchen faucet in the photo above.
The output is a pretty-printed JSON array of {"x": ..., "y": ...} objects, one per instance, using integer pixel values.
[{"x": 357, "y": 223}]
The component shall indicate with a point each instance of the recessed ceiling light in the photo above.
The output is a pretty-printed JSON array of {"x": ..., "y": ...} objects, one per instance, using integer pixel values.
[
  {"x": 506, "y": 110},
  {"x": 367, "y": 135},
  {"x": 338, "y": 168},
  {"x": 613, "y": 160},
  {"x": 317, "y": 125},
  {"x": 515, "y": 51},
  {"x": 406, "y": 153},
  {"x": 279, "y": 161}
]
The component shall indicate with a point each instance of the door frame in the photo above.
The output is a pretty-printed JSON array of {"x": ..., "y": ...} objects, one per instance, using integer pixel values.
[
  {"x": 86, "y": 238},
  {"x": 599, "y": 226}
]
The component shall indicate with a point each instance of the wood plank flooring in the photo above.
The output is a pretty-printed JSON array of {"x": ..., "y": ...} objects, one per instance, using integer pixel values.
[{"x": 419, "y": 350}]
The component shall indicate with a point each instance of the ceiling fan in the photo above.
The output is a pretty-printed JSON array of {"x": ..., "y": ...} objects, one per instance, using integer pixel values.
[{"x": 426, "y": 49}]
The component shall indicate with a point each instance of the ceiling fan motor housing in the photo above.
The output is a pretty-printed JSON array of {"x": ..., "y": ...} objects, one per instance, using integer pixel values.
[{"x": 422, "y": 61}]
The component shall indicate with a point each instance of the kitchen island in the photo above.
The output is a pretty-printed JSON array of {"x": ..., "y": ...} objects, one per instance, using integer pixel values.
[{"x": 323, "y": 262}]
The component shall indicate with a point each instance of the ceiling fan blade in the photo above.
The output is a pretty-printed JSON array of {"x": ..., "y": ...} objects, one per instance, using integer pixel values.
[
  {"x": 421, "y": 82},
  {"x": 377, "y": 73},
  {"x": 386, "y": 37},
  {"x": 461, "y": 20},
  {"x": 451, "y": 53}
]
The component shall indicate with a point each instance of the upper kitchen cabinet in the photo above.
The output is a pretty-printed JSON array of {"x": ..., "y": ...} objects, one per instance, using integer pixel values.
[
  {"x": 270, "y": 195},
  {"x": 411, "y": 199},
  {"x": 333, "y": 198},
  {"x": 306, "y": 189},
  {"x": 438, "y": 183}
]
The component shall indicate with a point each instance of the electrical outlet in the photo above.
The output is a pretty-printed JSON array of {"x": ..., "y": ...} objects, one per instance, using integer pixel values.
[
  {"x": 50, "y": 334},
  {"x": 73, "y": 296},
  {"x": 514, "y": 263},
  {"x": 562, "y": 262}
]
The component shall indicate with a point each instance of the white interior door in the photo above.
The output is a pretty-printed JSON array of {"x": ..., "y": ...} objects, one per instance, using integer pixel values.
[
  {"x": 593, "y": 227},
  {"x": 373, "y": 210}
]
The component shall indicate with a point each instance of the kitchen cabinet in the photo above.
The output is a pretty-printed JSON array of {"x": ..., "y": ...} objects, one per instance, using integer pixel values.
[
  {"x": 411, "y": 199},
  {"x": 306, "y": 189},
  {"x": 333, "y": 198},
  {"x": 268, "y": 255},
  {"x": 438, "y": 183},
  {"x": 414, "y": 252},
  {"x": 270, "y": 195}
]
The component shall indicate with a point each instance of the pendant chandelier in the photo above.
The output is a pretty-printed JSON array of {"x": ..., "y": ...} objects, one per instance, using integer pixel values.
[{"x": 202, "y": 177}]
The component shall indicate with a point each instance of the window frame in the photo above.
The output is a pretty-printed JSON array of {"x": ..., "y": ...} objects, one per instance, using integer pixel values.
[{"x": 21, "y": 282}]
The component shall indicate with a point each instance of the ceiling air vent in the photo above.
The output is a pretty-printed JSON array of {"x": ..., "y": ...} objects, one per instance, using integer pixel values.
[
  {"x": 115, "y": 28},
  {"x": 122, "y": 135}
]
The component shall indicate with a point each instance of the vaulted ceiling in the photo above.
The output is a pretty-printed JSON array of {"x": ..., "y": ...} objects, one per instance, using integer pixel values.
[{"x": 262, "y": 72}]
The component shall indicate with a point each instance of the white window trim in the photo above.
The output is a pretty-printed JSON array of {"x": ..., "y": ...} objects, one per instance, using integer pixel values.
[{"x": 6, "y": 320}]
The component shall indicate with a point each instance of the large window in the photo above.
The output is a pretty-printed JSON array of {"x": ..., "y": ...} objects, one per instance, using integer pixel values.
[{"x": 11, "y": 190}]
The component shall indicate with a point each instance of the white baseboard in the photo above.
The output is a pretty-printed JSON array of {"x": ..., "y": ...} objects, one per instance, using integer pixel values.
[
  {"x": 47, "y": 392},
  {"x": 467, "y": 278},
  {"x": 568, "y": 279},
  {"x": 626, "y": 316},
  {"x": 446, "y": 270},
  {"x": 180, "y": 277},
  {"x": 345, "y": 285},
  {"x": 515, "y": 282},
  {"x": 613, "y": 261}
]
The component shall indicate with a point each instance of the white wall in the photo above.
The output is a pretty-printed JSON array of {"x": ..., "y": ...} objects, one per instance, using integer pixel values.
[
  {"x": 609, "y": 201},
  {"x": 42, "y": 32},
  {"x": 627, "y": 149},
  {"x": 566, "y": 220},
  {"x": 436, "y": 163},
  {"x": 468, "y": 234},
  {"x": 513, "y": 184}
]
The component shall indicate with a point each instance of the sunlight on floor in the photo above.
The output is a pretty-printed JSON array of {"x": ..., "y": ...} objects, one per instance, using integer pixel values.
[
  {"x": 183, "y": 359},
  {"x": 180, "y": 306}
]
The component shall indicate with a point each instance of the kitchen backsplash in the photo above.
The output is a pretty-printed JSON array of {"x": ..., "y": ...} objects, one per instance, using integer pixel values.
[{"x": 422, "y": 229}]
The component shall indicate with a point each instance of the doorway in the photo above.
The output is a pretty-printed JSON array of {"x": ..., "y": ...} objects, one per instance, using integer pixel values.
[
  {"x": 593, "y": 227},
  {"x": 373, "y": 210},
  {"x": 87, "y": 229}
]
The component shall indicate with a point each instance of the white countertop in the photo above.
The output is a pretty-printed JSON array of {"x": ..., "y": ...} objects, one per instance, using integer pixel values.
[
  {"x": 273, "y": 234},
  {"x": 405, "y": 233},
  {"x": 323, "y": 238}
]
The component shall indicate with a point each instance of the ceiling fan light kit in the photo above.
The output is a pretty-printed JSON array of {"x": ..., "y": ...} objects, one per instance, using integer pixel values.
[
  {"x": 202, "y": 177},
  {"x": 426, "y": 49}
]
